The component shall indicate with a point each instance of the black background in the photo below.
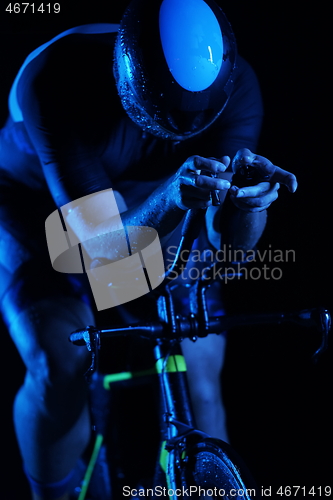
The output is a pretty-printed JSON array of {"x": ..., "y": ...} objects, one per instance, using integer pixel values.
[{"x": 278, "y": 403}]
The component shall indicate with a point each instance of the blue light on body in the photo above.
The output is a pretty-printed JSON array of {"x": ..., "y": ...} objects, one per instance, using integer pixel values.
[{"x": 14, "y": 107}]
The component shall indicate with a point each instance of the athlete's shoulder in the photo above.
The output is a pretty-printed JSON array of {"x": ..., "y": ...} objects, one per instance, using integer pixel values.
[
  {"x": 69, "y": 55},
  {"x": 74, "y": 48},
  {"x": 246, "y": 95},
  {"x": 244, "y": 74}
]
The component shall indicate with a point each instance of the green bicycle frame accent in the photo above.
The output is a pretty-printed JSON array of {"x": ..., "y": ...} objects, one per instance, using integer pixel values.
[
  {"x": 171, "y": 364},
  {"x": 91, "y": 466},
  {"x": 164, "y": 464},
  {"x": 174, "y": 363},
  {"x": 173, "y": 382}
]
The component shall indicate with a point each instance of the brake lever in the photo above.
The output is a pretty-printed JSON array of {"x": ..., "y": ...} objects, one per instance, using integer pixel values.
[
  {"x": 91, "y": 338},
  {"x": 324, "y": 323},
  {"x": 320, "y": 318}
]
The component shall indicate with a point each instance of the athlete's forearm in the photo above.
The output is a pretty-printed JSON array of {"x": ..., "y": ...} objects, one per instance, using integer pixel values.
[
  {"x": 159, "y": 211},
  {"x": 96, "y": 222},
  {"x": 108, "y": 239},
  {"x": 241, "y": 229}
]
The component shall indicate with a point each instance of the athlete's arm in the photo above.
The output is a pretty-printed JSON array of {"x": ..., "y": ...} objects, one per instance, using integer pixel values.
[
  {"x": 242, "y": 218},
  {"x": 163, "y": 210}
]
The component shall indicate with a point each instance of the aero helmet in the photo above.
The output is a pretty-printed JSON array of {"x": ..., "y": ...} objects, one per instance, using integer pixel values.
[{"x": 173, "y": 65}]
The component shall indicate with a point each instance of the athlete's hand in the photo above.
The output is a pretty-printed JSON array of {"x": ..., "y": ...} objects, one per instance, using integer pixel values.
[
  {"x": 191, "y": 189},
  {"x": 259, "y": 197}
]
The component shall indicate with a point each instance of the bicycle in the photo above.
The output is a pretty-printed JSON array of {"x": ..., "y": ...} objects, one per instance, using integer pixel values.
[{"x": 190, "y": 461}]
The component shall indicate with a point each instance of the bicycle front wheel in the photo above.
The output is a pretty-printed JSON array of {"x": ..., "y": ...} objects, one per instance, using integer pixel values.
[{"x": 212, "y": 469}]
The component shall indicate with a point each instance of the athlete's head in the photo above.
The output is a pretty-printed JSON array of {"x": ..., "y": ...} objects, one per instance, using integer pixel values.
[{"x": 173, "y": 65}]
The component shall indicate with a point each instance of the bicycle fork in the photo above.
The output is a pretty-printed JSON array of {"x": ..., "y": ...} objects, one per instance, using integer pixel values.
[{"x": 178, "y": 422}]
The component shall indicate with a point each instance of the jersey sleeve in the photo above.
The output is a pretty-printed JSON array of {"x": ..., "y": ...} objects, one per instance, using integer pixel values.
[
  {"x": 65, "y": 98},
  {"x": 239, "y": 124}
]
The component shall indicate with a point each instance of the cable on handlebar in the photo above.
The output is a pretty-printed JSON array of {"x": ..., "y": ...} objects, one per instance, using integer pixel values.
[{"x": 191, "y": 227}]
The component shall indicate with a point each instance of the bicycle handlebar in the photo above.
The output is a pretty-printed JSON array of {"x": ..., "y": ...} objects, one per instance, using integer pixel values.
[
  {"x": 318, "y": 318},
  {"x": 178, "y": 327}
]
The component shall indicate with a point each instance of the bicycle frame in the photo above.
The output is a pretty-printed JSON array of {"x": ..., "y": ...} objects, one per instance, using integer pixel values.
[{"x": 179, "y": 428}]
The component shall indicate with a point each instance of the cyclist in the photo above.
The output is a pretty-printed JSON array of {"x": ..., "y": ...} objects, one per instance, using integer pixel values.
[{"x": 141, "y": 109}]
